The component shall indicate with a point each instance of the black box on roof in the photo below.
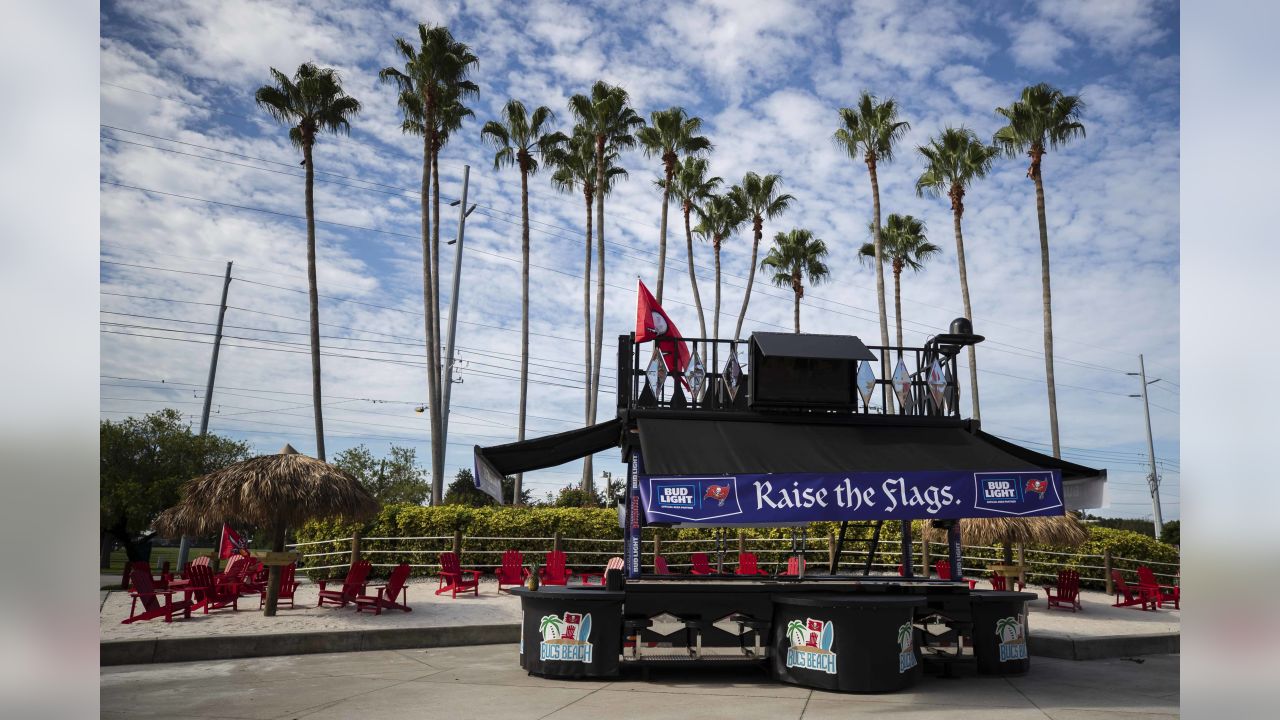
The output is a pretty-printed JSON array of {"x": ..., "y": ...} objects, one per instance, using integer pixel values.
[{"x": 804, "y": 371}]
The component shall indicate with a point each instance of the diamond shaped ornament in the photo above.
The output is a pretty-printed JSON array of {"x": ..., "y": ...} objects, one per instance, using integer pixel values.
[
  {"x": 732, "y": 375},
  {"x": 656, "y": 374},
  {"x": 697, "y": 375},
  {"x": 937, "y": 384},
  {"x": 953, "y": 391},
  {"x": 902, "y": 383},
  {"x": 866, "y": 381}
]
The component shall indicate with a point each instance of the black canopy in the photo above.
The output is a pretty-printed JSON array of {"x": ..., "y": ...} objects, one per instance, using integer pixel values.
[
  {"x": 551, "y": 450},
  {"x": 827, "y": 347},
  {"x": 701, "y": 447}
]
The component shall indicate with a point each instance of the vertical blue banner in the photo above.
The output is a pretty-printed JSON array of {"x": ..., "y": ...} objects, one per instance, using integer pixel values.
[{"x": 631, "y": 552}]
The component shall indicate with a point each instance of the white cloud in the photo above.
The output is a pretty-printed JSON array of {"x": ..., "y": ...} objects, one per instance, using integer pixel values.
[
  {"x": 1117, "y": 26},
  {"x": 1038, "y": 45}
]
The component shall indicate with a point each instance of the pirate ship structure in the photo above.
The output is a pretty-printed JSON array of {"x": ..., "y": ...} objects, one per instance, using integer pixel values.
[{"x": 785, "y": 430}]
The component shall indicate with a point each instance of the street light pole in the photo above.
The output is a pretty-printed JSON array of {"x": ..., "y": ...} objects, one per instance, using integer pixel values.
[
  {"x": 463, "y": 212},
  {"x": 184, "y": 546},
  {"x": 1153, "y": 480}
]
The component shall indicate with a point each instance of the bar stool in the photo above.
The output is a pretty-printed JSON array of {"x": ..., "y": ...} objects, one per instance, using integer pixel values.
[
  {"x": 758, "y": 628},
  {"x": 632, "y": 628}
]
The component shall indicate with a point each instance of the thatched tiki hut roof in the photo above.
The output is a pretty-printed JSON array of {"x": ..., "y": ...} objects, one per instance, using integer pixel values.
[
  {"x": 1061, "y": 531},
  {"x": 271, "y": 491}
]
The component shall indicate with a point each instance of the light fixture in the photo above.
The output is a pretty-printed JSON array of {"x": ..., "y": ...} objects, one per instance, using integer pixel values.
[{"x": 420, "y": 409}]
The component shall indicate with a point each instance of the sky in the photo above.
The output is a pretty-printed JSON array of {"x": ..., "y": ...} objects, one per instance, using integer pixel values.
[{"x": 194, "y": 175}]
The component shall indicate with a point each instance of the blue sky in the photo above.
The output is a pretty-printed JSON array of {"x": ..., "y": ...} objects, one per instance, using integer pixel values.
[{"x": 766, "y": 78}]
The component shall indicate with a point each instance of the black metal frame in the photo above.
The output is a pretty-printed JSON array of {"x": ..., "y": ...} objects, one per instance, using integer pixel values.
[{"x": 633, "y": 392}]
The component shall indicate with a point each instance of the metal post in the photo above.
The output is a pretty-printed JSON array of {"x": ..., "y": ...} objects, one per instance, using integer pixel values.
[
  {"x": 453, "y": 312},
  {"x": 184, "y": 547},
  {"x": 1153, "y": 480},
  {"x": 908, "y": 563},
  {"x": 953, "y": 543}
]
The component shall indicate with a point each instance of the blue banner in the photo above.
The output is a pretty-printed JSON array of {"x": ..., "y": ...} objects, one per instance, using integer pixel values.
[{"x": 809, "y": 497}]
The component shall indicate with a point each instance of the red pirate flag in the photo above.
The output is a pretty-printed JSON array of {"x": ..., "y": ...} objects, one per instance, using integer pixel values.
[
  {"x": 652, "y": 323},
  {"x": 232, "y": 543}
]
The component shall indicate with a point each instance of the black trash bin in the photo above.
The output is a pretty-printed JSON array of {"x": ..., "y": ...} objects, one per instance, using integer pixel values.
[
  {"x": 851, "y": 643},
  {"x": 1000, "y": 631},
  {"x": 570, "y": 632}
]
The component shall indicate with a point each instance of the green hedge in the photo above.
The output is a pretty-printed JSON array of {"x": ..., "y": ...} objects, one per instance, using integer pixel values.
[{"x": 403, "y": 521}]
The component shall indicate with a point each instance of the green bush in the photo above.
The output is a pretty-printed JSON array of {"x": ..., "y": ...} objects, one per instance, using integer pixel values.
[{"x": 582, "y": 529}]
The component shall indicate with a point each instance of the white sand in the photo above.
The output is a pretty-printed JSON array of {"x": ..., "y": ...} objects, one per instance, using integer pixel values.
[{"x": 429, "y": 610}]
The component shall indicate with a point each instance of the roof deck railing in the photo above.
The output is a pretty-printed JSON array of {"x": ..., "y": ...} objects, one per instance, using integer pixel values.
[{"x": 882, "y": 380}]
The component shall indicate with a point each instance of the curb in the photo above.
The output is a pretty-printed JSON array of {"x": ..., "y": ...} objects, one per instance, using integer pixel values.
[
  {"x": 225, "y": 647},
  {"x": 1070, "y": 647}
]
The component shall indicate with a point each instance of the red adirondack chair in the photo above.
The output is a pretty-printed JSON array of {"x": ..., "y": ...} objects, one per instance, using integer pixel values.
[
  {"x": 352, "y": 585},
  {"x": 288, "y": 585},
  {"x": 234, "y": 568},
  {"x": 1163, "y": 593},
  {"x": 253, "y": 579},
  {"x": 701, "y": 566},
  {"x": 748, "y": 565},
  {"x": 454, "y": 578},
  {"x": 512, "y": 571},
  {"x": 385, "y": 598},
  {"x": 1132, "y": 596},
  {"x": 1066, "y": 592},
  {"x": 943, "y": 568},
  {"x": 212, "y": 592},
  {"x": 660, "y": 565},
  {"x": 613, "y": 564},
  {"x": 1001, "y": 582},
  {"x": 794, "y": 563},
  {"x": 202, "y": 561},
  {"x": 144, "y": 590},
  {"x": 554, "y": 571}
]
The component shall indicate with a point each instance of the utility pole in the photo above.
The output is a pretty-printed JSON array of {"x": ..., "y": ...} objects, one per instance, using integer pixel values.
[
  {"x": 463, "y": 212},
  {"x": 184, "y": 547},
  {"x": 1153, "y": 480}
]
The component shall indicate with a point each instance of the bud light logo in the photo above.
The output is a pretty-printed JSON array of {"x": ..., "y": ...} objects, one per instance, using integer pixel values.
[
  {"x": 677, "y": 496},
  {"x": 1001, "y": 491}
]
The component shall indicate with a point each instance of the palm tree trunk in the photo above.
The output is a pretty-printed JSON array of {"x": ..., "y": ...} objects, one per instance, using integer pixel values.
[
  {"x": 437, "y": 416},
  {"x": 524, "y": 317},
  {"x": 797, "y": 312},
  {"x": 273, "y": 573},
  {"x": 884, "y": 320},
  {"x": 715, "y": 317},
  {"x": 897, "y": 301},
  {"x": 662, "y": 234},
  {"x": 1048, "y": 309},
  {"x": 693, "y": 279},
  {"x": 432, "y": 378},
  {"x": 751, "y": 278},
  {"x": 599, "y": 329},
  {"x": 586, "y": 339},
  {"x": 314, "y": 298},
  {"x": 968, "y": 312}
]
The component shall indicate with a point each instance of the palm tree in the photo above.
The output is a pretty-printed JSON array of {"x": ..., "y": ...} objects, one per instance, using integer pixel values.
[
  {"x": 795, "y": 629},
  {"x": 759, "y": 199},
  {"x": 606, "y": 115},
  {"x": 552, "y": 623},
  {"x": 691, "y": 187},
  {"x": 670, "y": 134},
  {"x": 311, "y": 103},
  {"x": 904, "y": 246},
  {"x": 795, "y": 255},
  {"x": 575, "y": 164},
  {"x": 433, "y": 79},
  {"x": 868, "y": 134},
  {"x": 953, "y": 161},
  {"x": 718, "y": 218},
  {"x": 1042, "y": 118},
  {"x": 520, "y": 139}
]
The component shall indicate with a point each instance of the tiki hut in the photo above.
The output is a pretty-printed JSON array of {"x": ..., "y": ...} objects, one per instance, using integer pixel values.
[
  {"x": 270, "y": 491},
  {"x": 1060, "y": 531}
]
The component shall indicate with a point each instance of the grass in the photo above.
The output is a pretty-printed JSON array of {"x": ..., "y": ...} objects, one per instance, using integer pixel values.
[{"x": 158, "y": 556}]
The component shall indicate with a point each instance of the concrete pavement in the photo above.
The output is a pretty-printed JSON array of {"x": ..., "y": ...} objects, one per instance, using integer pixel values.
[{"x": 487, "y": 682}]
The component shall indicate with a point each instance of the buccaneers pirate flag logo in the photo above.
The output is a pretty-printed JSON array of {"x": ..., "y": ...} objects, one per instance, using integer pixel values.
[
  {"x": 652, "y": 323},
  {"x": 232, "y": 543}
]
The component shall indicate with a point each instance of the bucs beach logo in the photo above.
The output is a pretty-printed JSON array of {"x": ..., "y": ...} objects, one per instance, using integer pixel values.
[
  {"x": 1039, "y": 487},
  {"x": 719, "y": 493},
  {"x": 811, "y": 642},
  {"x": 565, "y": 638},
  {"x": 906, "y": 651},
  {"x": 1012, "y": 632}
]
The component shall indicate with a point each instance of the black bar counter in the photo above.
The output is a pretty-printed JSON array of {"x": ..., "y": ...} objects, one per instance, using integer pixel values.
[
  {"x": 848, "y": 642},
  {"x": 570, "y": 632},
  {"x": 1000, "y": 631}
]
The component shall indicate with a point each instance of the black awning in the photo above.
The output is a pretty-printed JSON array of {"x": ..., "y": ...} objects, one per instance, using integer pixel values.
[
  {"x": 1070, "y": 470},
  {"x": 551, "y": 450},
  {"x": 721, "y": 447},
  {"x": 821, "y": 347}
]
